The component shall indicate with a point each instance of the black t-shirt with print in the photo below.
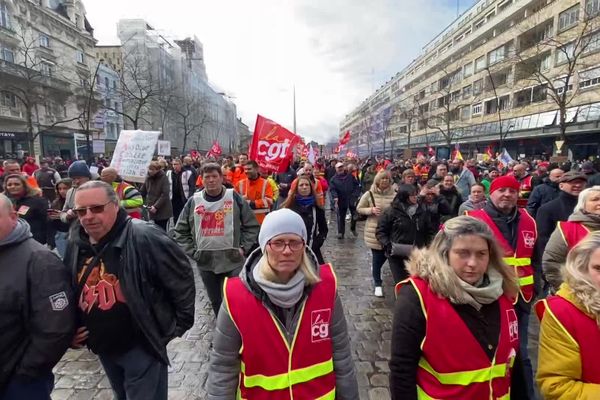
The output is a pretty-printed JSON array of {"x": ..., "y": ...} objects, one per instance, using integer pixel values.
[{"x": 102, "y": 305}]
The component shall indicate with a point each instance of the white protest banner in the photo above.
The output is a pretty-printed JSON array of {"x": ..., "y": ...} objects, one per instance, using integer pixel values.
[
  {"x": 98, "y": 146},
  {"x": 133, "y": 154},
  {"x": 164, "y": 148}
]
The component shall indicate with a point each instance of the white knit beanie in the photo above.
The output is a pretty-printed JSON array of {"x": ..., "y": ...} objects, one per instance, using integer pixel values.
[{"x": 278, "y": 223}]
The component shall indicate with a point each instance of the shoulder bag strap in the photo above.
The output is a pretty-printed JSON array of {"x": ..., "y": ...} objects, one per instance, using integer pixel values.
[
  {"x": 372, "y": 198},
  {"x": 89, "y": 268}
]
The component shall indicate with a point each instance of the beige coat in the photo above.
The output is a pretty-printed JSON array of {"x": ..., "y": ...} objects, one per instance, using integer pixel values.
[{"x": 383, "y": 200}]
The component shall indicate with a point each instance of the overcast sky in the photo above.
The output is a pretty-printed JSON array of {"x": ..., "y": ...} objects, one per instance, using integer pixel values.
[{"x": 336, "y": 52}]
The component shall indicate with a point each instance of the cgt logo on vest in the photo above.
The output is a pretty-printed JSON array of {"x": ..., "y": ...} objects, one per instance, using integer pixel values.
[
  {"x": 513, "y": 325},
  {"x": 319, "y": 325},
  {"x": 529, "y": 239}
]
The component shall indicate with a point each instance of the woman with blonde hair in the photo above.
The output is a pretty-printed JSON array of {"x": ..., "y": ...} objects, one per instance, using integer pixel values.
[
  {"x": 372, "y": 204},
  {"x": 455, "y": 330},
  {"x": 569, "y": 355},
  {"x": 584, "y": 219},
  {"x": 281, "y": 331}
]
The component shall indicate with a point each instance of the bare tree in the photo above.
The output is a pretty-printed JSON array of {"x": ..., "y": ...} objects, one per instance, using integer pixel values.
[
  {"x": 36, "y": 84},
  {"x": 191, "y": 117},
  {"x": 448, "y": 103},
  {"x": 139, "y": 89},
  {"x": 570, "y": 47}
]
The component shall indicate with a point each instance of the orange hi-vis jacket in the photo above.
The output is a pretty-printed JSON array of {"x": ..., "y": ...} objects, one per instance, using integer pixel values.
[
  {"x": 273, "y": 369},
  {"x": 453, "y": 366},
  {"x": 259, "y": 194},
  {"x": 572, "y": 232},
  {"x": 237, "y": 175},
  {"x": 519, "y": 258}
]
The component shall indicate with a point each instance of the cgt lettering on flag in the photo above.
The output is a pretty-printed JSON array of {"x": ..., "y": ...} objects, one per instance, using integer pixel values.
[{"x": 272, "y": 145}]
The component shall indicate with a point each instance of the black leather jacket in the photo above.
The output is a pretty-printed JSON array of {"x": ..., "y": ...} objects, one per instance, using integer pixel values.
[{"x": 156, "y": 278}]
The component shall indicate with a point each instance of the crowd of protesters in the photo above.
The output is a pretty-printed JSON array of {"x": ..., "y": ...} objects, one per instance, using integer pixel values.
[{"x": 471, "y": 245}]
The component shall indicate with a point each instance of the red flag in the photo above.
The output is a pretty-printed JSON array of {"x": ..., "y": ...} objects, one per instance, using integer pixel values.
[
  {"x": 489, "y": 152},
  {"x": 345, "y": 139},
  {"x": 215, "y": 150},
  {"x": 272, "y": 145}
]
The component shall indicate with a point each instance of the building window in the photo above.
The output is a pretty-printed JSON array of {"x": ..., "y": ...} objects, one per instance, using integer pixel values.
[
  {"x": 467, "y": 92},
  {"x": 568, "y": 18},
  {"x": 480, "y": 64},
  {"x": 539, "y": 94},
  {"x": 8, "y": 100},
  {"x": 468, "y": 70},
  {"x": 80, "y": 57},
  {"x": 496, "y": 55},
  {"x": 592, "y": 7},
  {"x": 522, "y": 98},
  {"x": 4, "y": 16},
  {"x": 592, "y": 42},
  {"x": 114, "y": 85},
  {"x": 477, "y": 87},
  {"x": 589, "y": 78},
  {"x": 477, "y": 108},
  {"x": 84, "y": 83},
  {"x": 565, "y": 53},
  {"x": 7, "y": 54},
  {"x": 44, "y": 41},
  {"x": 46, "y": 68},
  {"x": 465, "y": 113},
  {"x": 106, "y": 83}
]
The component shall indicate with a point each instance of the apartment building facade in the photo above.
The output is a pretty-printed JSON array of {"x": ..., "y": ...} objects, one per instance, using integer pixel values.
[
  {"x": 180, "y": 102},
  {"x": 46, "y": 66},
  {"x": 519, "y": 74}
]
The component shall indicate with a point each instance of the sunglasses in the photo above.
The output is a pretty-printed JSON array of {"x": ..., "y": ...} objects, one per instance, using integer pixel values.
[{"x": 81, "y": 212}]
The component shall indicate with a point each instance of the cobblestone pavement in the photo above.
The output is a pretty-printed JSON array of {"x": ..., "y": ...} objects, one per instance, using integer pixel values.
[{"x": 79, "y": 375}]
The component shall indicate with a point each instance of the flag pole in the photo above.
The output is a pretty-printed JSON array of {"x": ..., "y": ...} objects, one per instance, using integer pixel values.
[{"x": 294, "y": 108}]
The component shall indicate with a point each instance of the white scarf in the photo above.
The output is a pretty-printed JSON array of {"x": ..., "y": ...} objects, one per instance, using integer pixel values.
[{"x": 476, "y": 296}]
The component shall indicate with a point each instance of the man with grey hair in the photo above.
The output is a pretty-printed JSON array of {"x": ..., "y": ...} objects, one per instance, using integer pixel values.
[
  {"x": 135, "y": 289},
  {"x": 38, "y": 310},
  {"x": 545, "y": 192}
]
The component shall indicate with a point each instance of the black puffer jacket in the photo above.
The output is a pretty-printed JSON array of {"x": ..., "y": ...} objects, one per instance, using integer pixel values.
[
  {"x": 542, "y": 194},
  {"x": 396, "y": 226},
  {"x": 156, "y": 279},
  {"x": 37, "y": 309},
  {"x": 454, "y": 201},
  {"x": 34, "y": 210}
]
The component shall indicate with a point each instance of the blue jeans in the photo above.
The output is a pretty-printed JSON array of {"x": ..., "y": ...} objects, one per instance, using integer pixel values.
[
  {"x": 378, "y": 261},
  {"x": 19, "y": 388},
  {"x": 523, "y": 311},
  {"x": 61, "y": 239},
  {"x": 136, "y": 375}
]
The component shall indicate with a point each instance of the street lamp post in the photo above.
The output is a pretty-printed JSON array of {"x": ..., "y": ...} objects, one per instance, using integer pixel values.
[{"x": 89, "y": 110}]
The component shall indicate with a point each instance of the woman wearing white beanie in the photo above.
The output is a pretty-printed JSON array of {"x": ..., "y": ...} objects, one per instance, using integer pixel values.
[{"x": 282, "y": 303}]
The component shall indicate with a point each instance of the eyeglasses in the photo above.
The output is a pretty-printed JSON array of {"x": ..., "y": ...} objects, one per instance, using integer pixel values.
[
  {"x": 94, "y": 209},
  {"x": 279, "y": 245}
]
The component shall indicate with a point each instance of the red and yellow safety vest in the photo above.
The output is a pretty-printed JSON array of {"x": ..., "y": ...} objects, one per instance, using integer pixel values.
[
  {"x": 271, "y": 369},
  {"x": 580, "y": 327},
  {"x": 572, "y": 232},
  {"x": 524, "y": 191},
  {"x": 519, "y": 258},
  {"x": 453, "y": 365}
]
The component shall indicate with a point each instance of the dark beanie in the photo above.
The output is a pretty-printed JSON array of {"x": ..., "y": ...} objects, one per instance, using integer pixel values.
[{"x": 79, "y": 169}]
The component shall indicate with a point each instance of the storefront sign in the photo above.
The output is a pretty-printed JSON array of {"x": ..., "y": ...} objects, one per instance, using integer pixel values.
[
  {"x": 11, "y": 135},
  {"x": 133, "y": 154}
]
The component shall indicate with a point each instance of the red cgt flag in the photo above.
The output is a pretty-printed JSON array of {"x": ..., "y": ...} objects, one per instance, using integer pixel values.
[
  {"x": 215, "y": 150},
  {"x": 272, "y": 145},
  {"x": 345, "y": 139}
]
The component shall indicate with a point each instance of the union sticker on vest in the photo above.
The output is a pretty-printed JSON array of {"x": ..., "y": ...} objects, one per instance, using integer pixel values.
[
  {"x": 513, "y": 325},
  {"x": 319, "y": 325},
  {"x": 529, "y": 239},
  {"x": 214, "y": 222}
]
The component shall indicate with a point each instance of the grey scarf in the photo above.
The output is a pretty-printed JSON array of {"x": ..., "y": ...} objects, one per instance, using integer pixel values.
[
  {"x": 488, "y": 291},
  {"x": 284, "y": 295},
  {"x": 19, "y": 234}
]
